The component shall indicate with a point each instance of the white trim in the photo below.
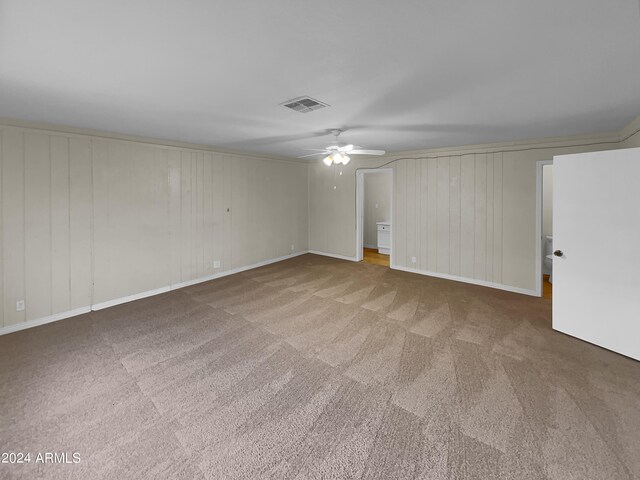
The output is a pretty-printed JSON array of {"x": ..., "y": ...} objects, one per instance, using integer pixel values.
[
  {"x": 177, "y": 286},
  {"x": 551, "y": 142},
  {"x": 515, "y": 146},
  {"x": 129, "y": 298},
  {"x": 538, "y": 282},
  {"x": 360, "y": 172},
  {"x": 627, "y": 132},
  {"x": 334, "y": 255},
  {"x": 16, "y": 327},
  {"x": 359, "y": 214},
  {"x": 55, "y": 129},
  {"x": 472, "y": 281},
  {"x": 117, "y": 301},
  {"x": 371, "y": 246},
  {"x": 79, "y": 311}
]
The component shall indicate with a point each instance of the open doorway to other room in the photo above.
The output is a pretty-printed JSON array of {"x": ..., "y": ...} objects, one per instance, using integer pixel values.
[
  {"x": 547, "y": 229},
  {"x": 374, "y": 211}
]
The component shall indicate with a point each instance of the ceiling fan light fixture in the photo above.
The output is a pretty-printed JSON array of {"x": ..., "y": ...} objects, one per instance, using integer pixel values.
[{"x": 341, "y": 155}]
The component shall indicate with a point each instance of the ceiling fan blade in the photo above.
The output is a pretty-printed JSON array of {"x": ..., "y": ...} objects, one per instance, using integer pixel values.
[
  {"x": 315, "y": 149},
  {"x": 312, "y": 154},
  {"x": 367, "y": 152},
  {"x": 346, "y": 148}
]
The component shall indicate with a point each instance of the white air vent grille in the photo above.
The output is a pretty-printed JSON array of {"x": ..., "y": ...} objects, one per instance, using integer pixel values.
[{"x": 304, "y": 104}]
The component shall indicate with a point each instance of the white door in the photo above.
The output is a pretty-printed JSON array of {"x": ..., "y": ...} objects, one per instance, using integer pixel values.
[{"x": 596, "y": 226}]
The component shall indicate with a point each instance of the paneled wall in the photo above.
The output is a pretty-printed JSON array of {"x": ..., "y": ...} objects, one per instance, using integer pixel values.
[
  {"x": 448, "y": 215},
  {"x": 468, "y": 214},
  {"x": 46, "y": 224},
  {"x": 633, "y": 140},
  {"x": 87, "y": 219}
]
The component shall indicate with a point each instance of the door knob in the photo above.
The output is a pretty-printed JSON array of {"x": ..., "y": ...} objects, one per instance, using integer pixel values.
[{"x": 558, "y": 253}]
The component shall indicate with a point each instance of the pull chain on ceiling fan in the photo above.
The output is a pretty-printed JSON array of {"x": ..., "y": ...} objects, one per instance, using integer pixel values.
[{"x": 336, "y": 154}]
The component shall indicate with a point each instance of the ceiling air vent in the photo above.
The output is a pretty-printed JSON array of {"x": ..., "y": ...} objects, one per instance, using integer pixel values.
[{"x": 304, "y": 104}]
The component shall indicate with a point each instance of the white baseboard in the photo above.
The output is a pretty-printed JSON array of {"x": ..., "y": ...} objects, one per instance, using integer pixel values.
[
  {"x": 236, "y": 270},
  {"x": 129, "y": 298},
  {"x": 370, "y": 246},
  {"x": 110, "y": 303},
  {"x": 177, "y": 286},
  {"x": 472, "y": 281},
  {"x": 117, "y": 301},
  {"x": 333, "y": 255},
  {"x": 16, "y": 327}
]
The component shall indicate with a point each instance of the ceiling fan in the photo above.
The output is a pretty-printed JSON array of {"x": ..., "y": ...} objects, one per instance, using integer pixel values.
[{"x": 336, "y": 154}]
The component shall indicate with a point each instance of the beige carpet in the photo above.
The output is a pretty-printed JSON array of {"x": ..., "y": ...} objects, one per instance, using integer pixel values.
[{"x": 319, "y": 368}]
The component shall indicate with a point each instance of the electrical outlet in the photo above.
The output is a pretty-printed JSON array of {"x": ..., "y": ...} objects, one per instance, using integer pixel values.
[
  {"x": 376, "y": 205},
  {"x": 413, "y": 259},
  {"x": 292, "y": 247},
  {"x": 19, "y": 305},
  {"x": 216, "y": 264}
]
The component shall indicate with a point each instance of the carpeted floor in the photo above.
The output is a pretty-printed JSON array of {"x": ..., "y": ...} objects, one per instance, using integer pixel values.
[{"x": 319, "y": 368}]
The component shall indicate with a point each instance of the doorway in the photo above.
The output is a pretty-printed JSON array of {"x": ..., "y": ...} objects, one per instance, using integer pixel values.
[
  {"x": 374, "y": 207},
  {"x": 544, "y": 228}
]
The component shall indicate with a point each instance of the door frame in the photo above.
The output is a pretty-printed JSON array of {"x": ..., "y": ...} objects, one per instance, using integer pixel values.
[
  {"x": 539, "y": 165},
  {"x": 360, "y": 173}
]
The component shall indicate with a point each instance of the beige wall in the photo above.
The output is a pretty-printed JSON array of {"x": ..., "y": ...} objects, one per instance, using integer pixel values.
[
  {"x": 86, "y": 219},
  {"x": 377, "y": 204},
  {"x": 467, "y": 213},
  {"x": 632, "y": 134},
  {"x": 131, "y": 217},
  {"x": 633, "y": 141}
]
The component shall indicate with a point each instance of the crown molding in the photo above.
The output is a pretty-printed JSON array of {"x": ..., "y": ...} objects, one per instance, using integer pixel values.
[
  {"x": 515, "y": 146},
  {"x": 86, "y": 132},
  {"x": 632, "y": 129},
  {"x": 519, "y": 145}
]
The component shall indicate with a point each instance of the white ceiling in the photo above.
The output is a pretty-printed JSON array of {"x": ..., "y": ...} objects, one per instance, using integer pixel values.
[{"x": 401, "y": 75}]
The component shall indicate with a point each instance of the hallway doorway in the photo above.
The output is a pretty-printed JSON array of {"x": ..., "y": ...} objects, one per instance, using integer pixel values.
[{"x": 374, "y": 198}]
